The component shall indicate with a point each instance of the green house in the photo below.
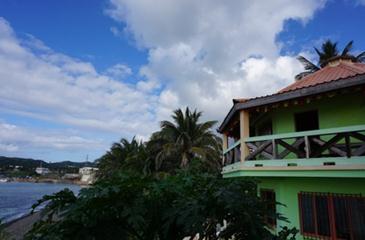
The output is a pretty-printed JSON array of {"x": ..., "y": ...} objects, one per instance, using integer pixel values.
[{"x": 306, "y": 147}]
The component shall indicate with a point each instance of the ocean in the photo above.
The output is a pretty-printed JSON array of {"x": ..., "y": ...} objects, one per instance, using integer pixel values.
[{"x": 17, "y": 198}]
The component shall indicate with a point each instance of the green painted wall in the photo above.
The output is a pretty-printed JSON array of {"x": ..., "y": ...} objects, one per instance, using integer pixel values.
[
  {"x": 337, "y": 111},
  {"x": 287, "y": 190}
]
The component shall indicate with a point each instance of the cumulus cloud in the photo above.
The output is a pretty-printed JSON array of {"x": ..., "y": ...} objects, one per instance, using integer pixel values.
[
  {"x": 201, "y": 54},
  {"x": 119, "y": 71},
  {"x": 40, "y": 83},
  {"x": 207, "y": 52},
  {"x": 8, "y": 147},
  {"x": 12, "y": 137}
]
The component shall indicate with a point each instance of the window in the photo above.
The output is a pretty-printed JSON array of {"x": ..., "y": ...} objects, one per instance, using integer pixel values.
[
  {"x": 306, "y": 121},
  {"x": 269, "y": 198},
  {"x": 265, "y": 128},
  {"x": 332, "y": 216}
]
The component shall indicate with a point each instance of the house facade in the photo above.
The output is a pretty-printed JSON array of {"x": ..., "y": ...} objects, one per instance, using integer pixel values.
[
  {"x": 306, "y": 147},
  {"x": 88, "y": 174},
  {"x": 42, "y": 171}
]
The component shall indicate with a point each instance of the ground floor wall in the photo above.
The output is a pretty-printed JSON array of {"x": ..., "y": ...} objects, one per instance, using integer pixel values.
[{"x": 287, "y": 189}]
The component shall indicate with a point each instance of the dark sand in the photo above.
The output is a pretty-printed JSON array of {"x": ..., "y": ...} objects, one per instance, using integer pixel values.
[{"x": 18, "y": 228}]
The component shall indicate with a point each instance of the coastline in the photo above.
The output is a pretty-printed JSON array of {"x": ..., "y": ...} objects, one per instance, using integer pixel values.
[
  {"x": 17, "y": 228},
  {"x": 48, "y": 180},
  {"x": 18, "y": 197},
  {"x": 26, "y": 215}
]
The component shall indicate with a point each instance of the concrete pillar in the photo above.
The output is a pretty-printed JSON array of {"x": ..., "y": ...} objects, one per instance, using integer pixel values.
[
  {"x": 225, "y": 142},
  {"x": 244, "y": 133}
]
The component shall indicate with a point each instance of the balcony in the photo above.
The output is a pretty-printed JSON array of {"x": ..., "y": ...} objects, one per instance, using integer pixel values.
[{"x": 331, "y": 148}]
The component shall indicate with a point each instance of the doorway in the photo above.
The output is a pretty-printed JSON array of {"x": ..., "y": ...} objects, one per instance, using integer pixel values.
[{"x": 306, "y": 121}]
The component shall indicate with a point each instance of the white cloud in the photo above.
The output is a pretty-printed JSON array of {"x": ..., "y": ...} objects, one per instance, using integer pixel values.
[
  {"x": 202, "y": 51},
  {"x": 47, "y": 85},
  {"x": 201, "y": 54},
  {"x": 116, "y": 32},
  {"x": 8, "y": 147},
  {"x": 14, "y": 137},
  {"x": 119, "y": 71}
]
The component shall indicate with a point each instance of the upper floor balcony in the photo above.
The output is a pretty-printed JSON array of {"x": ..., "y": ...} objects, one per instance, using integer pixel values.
[
  {"x": 293, "y": 154},
  {"x": 313, "y": 127}
]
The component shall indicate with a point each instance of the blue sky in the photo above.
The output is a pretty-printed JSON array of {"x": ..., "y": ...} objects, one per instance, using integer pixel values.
[{"x": 79, "y": 75}]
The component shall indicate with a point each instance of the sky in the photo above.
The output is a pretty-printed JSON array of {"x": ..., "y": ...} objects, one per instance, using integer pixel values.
[{"x": 77, "y": 76}]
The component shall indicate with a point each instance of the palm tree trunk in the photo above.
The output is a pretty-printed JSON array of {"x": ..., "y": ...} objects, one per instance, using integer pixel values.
[{"x": 184, "y": 160}]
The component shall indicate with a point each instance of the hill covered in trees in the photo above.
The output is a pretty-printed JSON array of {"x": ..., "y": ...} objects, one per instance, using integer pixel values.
[{"x": 27, "y": 166}]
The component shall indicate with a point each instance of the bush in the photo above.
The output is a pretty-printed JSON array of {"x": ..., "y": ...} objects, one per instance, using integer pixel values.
[{"x": 173, "y": 207}]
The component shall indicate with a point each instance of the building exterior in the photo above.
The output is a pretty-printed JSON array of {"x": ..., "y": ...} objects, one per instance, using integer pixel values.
[
  {"x": 42, "y": 171},
  {"x": 71, "y": 176},
  {"x": 88, "y": 174},
  {"x": 306, "y": 146}
]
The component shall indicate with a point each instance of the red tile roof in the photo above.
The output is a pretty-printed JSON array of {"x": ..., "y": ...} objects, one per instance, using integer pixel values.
[{"x": 331, "y": 72}]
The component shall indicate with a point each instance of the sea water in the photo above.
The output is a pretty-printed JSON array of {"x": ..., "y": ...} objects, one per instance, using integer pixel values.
[{"x": 17, "y": 198}]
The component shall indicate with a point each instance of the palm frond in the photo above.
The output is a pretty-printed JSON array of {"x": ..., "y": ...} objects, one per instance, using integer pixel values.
[
  {"x": 347, "y": 48},
  {"x": 308, "y": 65},
  {"x": 360, "y": 57},
  {"x": 302, "y": 75},
  {"x": 318, "y": 52}
]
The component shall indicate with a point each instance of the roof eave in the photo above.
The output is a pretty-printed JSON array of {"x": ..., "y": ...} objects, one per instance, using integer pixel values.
[{"x": 302, "y": 92}]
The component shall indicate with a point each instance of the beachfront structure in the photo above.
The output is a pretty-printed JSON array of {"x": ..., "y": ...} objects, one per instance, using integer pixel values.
[
  {"x": 42, "y": 171},
  {"x": 306, "y": 147},
  {"x": 88, "y": 174},
  {"x": 71, "y": 176}
]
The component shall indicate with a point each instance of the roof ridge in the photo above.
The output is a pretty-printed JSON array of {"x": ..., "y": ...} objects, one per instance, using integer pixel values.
[
  {"x": 351, "y": 67},
  {"x": 317, "y": 76}
]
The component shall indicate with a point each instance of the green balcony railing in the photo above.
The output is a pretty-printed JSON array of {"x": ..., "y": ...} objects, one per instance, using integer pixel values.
[
  {"x": 232, "y": 154},
  {"x": 333, "y": 142}
]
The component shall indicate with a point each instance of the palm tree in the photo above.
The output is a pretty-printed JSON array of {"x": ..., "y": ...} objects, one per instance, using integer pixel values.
[
  {"x": 127, "y": 155},
  {"x": 186, "y": 138},
  {"x": 328, "y": 52}
]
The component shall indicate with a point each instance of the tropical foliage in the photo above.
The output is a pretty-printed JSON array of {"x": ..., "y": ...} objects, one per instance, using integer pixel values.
[
  {"x": 125, "y": 154},
  {"x": 132, "y": 207},
  {"x": 173, "y": 147},
  {"x": 165, "y": 189},
  {"x": 186, "y": 138},
  {"x": 328, "y": 52}
]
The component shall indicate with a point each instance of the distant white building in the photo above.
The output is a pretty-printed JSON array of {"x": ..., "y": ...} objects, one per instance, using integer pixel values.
[
  {"x": 71, "y": 176},
  {"x": 42, "y": 170},
  {"x": 88, "y": 174}
]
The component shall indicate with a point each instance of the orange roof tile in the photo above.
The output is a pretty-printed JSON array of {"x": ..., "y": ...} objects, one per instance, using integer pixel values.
[{"x": 341, "y": 70}]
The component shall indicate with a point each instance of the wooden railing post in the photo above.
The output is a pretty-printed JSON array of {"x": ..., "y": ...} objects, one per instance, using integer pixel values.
[
  {"x": 274, "y": 149},
  {"x": 307, "y": 147},
  {"x": 244, "y": 133},
  {"x": 348, "y": 146}
]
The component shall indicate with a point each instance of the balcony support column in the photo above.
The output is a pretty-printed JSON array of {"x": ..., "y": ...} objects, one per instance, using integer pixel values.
[
  {"x": 244, "y": 133},
  {"x": 225, "y": 142}
]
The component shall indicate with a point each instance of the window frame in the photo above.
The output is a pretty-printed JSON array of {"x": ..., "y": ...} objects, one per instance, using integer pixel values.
[
  {"x": 296, "y": 117},
  {"x": 331, "y": 213},
  {"x": 266, "y": 217}
]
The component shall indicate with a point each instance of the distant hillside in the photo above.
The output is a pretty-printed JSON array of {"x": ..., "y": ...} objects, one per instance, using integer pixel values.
[{"x": 28, "y": 163}]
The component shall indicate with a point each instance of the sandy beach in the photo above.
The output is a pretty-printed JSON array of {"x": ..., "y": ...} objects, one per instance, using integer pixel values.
[{"x": 19, "y": 227}]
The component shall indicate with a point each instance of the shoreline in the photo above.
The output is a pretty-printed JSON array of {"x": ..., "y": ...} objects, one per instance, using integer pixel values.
[
  {"x": 17, "y": 228},
  {"x": 25, "y": 215},
  {"x": 47, "y": 180}
]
